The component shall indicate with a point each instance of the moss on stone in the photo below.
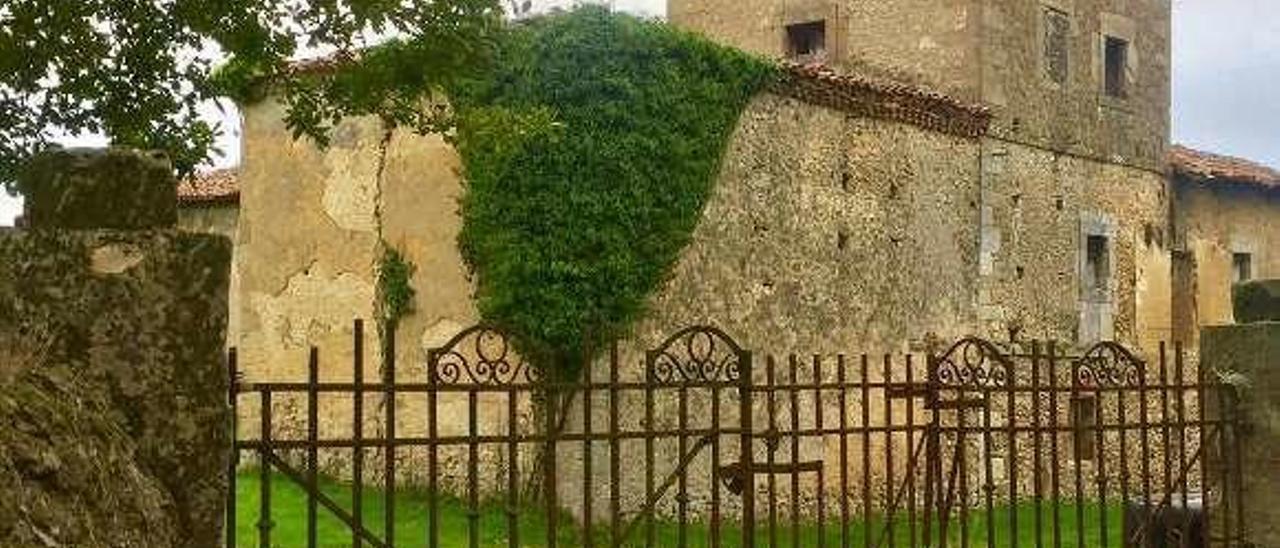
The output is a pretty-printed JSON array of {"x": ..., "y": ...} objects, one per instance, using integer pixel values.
[
  {"x": 1257, "y": 301},
  {"x": 99, "y": 188}
]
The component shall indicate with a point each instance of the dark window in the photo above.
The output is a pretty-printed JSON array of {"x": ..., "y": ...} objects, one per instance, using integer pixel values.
[
  {"x": 1097, "y": 266},
  {"x": 1242, "y": 267},
  {"x": 807, "y": 41},
  {"x": 1117, "y": 67},
  {"x": 1057, "y": 31},
  {"x": 1084, "y": 420}
]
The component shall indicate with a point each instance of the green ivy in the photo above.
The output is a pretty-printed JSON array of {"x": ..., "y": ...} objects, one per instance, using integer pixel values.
[
  {"x": 589, "y": 152},
  {"x": 394, "y": 287}
]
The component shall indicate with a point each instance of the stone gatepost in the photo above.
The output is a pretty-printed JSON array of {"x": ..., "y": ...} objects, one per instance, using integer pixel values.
[
  {"x": 114, "y": 423},
  {"x": 1248, "y": 355}
]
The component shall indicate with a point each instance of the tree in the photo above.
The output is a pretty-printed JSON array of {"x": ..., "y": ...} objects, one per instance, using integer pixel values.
[{"x": 137, "y": 70}]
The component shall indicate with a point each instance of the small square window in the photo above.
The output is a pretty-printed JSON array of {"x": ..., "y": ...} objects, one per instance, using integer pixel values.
[
  {"x": 1097, "y": 266},
  {"x": 1084, "y": 420},
  {"x": 1117, "y": 67},
  {"x": 1057, "y": 29},
  {"x": 1242, "y": 267},
  {"x": 807, "y": 41}
]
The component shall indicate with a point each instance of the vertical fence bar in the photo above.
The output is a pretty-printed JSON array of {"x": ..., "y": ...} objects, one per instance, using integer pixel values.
[
  {"x": 864, "y": 378},
  {"x": 1011, "y": 390},
  {"x": 650, "y": 534},
  {"x": 473, "y": 469},
  {"x": 682, "y": 443},
  {"x": 357, "y": 433},
  {"x": 1238, "y": 467},
  {"x": 1144, "y": 422},
  {"x": 1205, "y": 504},
  {"x": 588, "y": 525},
  {"x": 771, "y": 445},
  {"x": 389, "y": 441},
  {"x": 795, "y": 451},
  {"x": 1100, "y": 456},
  {"x": 615, "y": 447},
  {"x": 1183, "y": 457},
  {"x": 233, "y": 462},
  {"x": 264, "y": 470},
  {"x": 715, "y": 464},
  {"x": 961, "y": 466},
  {"x": 1165, "y": 432},
  {"x": 1076, "y": 453},
  {"x": 1037, "y": 425},
  {"x": 842, "y": 398},
  {"x": 313, "y": 426},
  {"x": 931, "y": 448},
  {"x": 551, "y": 495},
  {"x": 745, "y": 455},
  {"x": 1125, "y": 491},
  {"x": 822, "y": 443},
  {"x": 433, "y": 451},
  {"x": 513, "y": 467},
  {"x": 1055, "y": 475},
  {"x": 911, "y": 451},
  {"x": 888, "y": 449}
]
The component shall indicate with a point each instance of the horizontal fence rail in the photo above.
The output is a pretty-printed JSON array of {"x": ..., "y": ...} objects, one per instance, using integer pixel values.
[{"x": 700, "y": 442}]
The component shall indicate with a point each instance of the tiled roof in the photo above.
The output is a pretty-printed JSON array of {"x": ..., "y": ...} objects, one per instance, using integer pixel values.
[
  {"x": 1206, "y": 166},
  {"x": 219, "y": 187},
  {"x": 881, "y": 98}
]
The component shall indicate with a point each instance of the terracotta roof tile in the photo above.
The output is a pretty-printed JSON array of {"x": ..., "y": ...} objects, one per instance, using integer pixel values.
[
  {"x": 217, "y": 187},
  {"x": 882, "y": 98},
  {"x": 1207, "y": 166}
]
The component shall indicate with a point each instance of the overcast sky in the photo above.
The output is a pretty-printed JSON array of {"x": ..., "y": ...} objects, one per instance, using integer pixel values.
[{"x": 1226, "y": 80}]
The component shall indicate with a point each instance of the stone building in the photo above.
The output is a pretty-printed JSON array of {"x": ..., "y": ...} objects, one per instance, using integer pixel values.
[
  {"x": 926, "y": 170},
  {"x": 1071, "y": 174},
  {"x": 1226, "y": 227}
]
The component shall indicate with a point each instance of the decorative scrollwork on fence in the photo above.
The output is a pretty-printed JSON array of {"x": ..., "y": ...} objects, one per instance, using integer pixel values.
[
  {"x": 1108, "y": 364},
  {"x": 479, "y": 355},
  {"x": 973, "y": 362},
  {"x": 696, "y": 354}
]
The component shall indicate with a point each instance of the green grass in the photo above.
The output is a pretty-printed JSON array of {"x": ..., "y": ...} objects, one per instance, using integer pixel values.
[{"x": 289, "y": 515}]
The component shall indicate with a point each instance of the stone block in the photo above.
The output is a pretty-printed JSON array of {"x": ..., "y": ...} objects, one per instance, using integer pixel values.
[
  {"x": 113, "y": 188},
  {"x": 135, "y": 321}
]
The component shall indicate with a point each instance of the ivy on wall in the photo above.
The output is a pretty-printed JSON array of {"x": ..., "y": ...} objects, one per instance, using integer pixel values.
[
  {"x": 589, "y": 150},
  {"x": 395, "y": 289}
]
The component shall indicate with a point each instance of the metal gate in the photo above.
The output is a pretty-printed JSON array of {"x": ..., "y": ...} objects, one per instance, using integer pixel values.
[{"x": 703, "y": 444}]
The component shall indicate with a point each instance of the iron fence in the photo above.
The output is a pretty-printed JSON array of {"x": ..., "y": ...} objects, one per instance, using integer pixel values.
[{"x": 699, "y": 443}]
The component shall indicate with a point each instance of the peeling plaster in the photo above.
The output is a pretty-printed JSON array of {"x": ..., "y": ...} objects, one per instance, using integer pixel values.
[
  {"x": 350, "y": 189},
  {"x": 312, "y": 304}
]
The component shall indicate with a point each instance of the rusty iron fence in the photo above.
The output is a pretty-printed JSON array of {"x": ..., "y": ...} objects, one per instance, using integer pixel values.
[{"x": 701, "y": 442}]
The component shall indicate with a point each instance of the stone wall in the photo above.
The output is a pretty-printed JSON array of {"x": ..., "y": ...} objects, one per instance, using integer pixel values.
[
  {"x": 129, "y": 328},
  {"x": 1039, "y": 208},
  {"x": 1251, "y": 354},
  {"x": 1212, "y": 221}
]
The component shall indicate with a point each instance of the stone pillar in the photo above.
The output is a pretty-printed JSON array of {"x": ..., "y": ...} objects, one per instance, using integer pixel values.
[
  {"x": 114, "y": 424},
  {"x": 1250, "y": 354}
]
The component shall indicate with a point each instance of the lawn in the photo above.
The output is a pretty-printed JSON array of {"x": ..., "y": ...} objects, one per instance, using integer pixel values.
[{"x": 289, "y": 509}]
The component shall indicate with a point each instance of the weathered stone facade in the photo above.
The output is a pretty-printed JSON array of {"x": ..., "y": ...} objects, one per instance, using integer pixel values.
[
  {"x": 1064, "y": 159},
  {"x": 1221, "y": 227}
]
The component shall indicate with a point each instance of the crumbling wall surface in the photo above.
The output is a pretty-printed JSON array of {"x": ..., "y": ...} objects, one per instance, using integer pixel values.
[
  {"x": 1038, "y": 208},
  {"x": 1215, "y": 220},
  {"x": 129, "y": 328},
  {"x": 1250, "y": 354}
]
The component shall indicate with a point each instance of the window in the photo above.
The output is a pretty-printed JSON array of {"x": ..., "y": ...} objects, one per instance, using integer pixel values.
[
  {"x": 1242, "y": 267},
  {"x": 1084, "y": 420},
  {"x": 1097, "y": 267},
  {"x": 1117, "y": 66},
  {"x": 1057, "y": 29},
  {"x": 807, "y": 41}
]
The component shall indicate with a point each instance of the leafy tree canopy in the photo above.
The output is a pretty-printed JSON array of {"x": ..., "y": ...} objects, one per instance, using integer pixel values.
[
  {"x": 136, "y": 70},
  {"x": 589, "y": 151}
]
